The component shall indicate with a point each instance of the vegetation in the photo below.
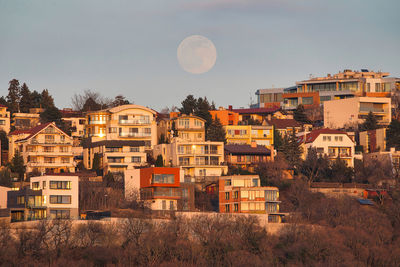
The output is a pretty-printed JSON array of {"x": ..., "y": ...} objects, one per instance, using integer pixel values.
[
  {"x": 393, "y": 134},
  {"x": 17, "y": 165},
  {"x": 300, "y": 115},
  {"x": 216, "y": 131},
  {"x": 370, "y": 123}
]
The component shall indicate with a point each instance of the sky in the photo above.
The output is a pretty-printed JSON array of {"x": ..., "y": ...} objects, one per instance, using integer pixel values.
[{"x": 130, "y": 47}]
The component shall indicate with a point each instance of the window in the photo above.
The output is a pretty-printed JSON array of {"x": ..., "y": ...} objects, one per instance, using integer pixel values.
[
  {"x": 44, "y": 184},
  {"x": 326, "y": 138},
  {"x": 35, "y": 186},
  {"x": 320, "y": 150},
  {"x": 164, "y": 205},
  {"x": 2, "y": 122},
  {"x": 198, "y": 123},
  {"x": 60, "y": 214},
  {"x": 228, "y": 182},
  {"x": 134, "y": 149},
  {"x": 20, "y": 200},
  {"x": 184, "y": 123},
  {"x": 181, "y": 149},
  {"x": 136, "y": 159},
  {"x": 113, "y": 149},
  {"x": 271, "y": 195},
  {"x": 308, "y": 101},
  {"x": 64, "y": 149},
  {"x": 163, "y": 178},
  {"x": 236, "y": 194},
  {"x": 60, "y": 199},
  {"x": 147, "y": 130},
  {"x": 227, "y": 209},
  {"x": 48, "y": 149},
  {"x": 60, "y": 185},
  {"x": 171, "y": 205},
  {"x": 226, "y": 195},
  {"x": 49, "y": 138},
  {"x": 49, "y": 160},
  {"x": 255, "y": 182},
  {"x": 62, "y": 138},
  {"x": 65, "y": 160},
  {"x": 236, "y": 207},
  {"x": 112, "y": 130}
]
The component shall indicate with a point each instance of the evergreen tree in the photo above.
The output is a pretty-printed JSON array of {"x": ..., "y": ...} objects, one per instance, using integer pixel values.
[
  {"x": 5, "y": 177},
  {"x": 370, "y": 123},
  {"x": 4, "y": 140},
  {"x": 17, "y": 165},
  {"x": 292, "y": 150},
  {"x": 188, "y": 105},
  {"x": 159, "y": 161},
  {"x": 340, "y": 172},
  {"x": 91, "y": 105},
  {"x": 47, "y": 100},
  {"x": 3, "y": 101},
  {"x": 202, "y": 110},
  {"x": 299, "y": 114},
  {"x": 96, "y": 163},
  {"x": 278, "y": 140},
  {"x": 313, "y": 166},
  {"x": 36, "y": 99},
  {"x": 52, "y": 114},
  {"x": 216, "y": 132},
  {"x": 13, "y": 96},
  {"x": 119, "y": 101},
  {"x": 393, "y": 134},
  {"x": 26, "y": 99}
]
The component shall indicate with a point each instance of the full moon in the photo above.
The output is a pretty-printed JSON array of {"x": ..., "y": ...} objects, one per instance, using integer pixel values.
[{"x": 196, "y": 54}]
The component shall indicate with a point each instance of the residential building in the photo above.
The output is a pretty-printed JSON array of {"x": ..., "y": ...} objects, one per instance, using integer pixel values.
[
  {"x": 270, "y": 98},
  {"x": 246, "y": 134},
  {"x": 115, "y": 155},
  {"x": 76, "y": 122},
  {"x": 225, "y": 116},
  {"x": 352, "y": 111},
  {"x": 285, "y": 126},
  {"x": 342, "y": 85},
  {"x": 243, "y": 194},
  {"x": 23, "y": 121},
  {"x": 373, "y": 140},
  {"x": 338, "y": 189},
  {"x": 254, "y": 114},
  {"x": 49, "y": 196},
  {"x": 198, "y": 159},
  {"x": 4, "y": 119},
  {"x": 247, "y": 156},
  {"x": 329, "y": 142},
  {"x": 126, "y": 122},
  {"x": 188, "y": 128},
  {"x": 387, "y": 159},
  {"x": 44, "y": 148},
  {"x": 3, "y": 196},
  {"x": 158, "y": 186}
]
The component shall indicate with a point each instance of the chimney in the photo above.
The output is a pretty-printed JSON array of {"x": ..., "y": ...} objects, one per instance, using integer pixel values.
[
  {"x": 269, "y": 117},
  {"x": 230, "y": 107},
  {"x": 253, "y": 144}
]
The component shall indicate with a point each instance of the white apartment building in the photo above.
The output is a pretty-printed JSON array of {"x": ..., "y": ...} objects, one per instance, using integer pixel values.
[{"x": 60, "y": 195}]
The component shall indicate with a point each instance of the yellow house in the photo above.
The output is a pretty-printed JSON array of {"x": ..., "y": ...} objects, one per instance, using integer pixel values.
[
  {"x": 45, "y": 148},
  {"x": 4, "y": 119},
  {"x": 188, "y": 128},
  {"x": 246, "y": 134}
]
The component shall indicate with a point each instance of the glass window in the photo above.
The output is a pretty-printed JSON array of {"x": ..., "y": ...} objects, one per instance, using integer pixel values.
[
  {"x": 163, "y": 178},
  {"x": 136, "y": 159},
  {"x": 57, "y": 199},
  {"x": 228, "y": 182},
  {"x": 236, "y": 195},
  {"x": 60, "y": 214},
  {"x": 227, "y": 209},
  {"x": 35, "y": 186},
  {"x": 236, "y": 207},
  {"x": 226, "y": 195},
  {"x": 60, "y": 185},
  {"x": 307, "y": 101}
]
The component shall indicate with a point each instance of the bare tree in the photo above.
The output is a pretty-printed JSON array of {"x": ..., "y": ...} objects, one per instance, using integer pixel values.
[{"x": 79, "y": 100}]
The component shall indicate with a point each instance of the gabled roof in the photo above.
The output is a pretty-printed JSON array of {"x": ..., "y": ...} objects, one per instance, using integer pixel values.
[
  {"x": 246, "y": 150},
  {"x": 256, "y": 110},
  {"x": 310, "y": 137},
  {"x": 35, "y": 130},
  {"x": 283, "y": 123}
]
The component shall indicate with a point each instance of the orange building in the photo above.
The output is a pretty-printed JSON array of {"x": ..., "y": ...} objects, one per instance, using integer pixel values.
[
  {"x": 246, "y": 156},
  {"x": 225, "y": 116},
  {"x": 160, "y": 187},
  {"x": 243, "y": 194}
]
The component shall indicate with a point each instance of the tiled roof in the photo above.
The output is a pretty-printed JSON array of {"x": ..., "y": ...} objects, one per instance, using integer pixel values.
[
  {"x": 246, "y": 150},
  {"x": 256, "y": 110},
  {"x": 314, "y": 134},
  {"x": 35, "y": 130},
  {"x": 283, "y": 123}
]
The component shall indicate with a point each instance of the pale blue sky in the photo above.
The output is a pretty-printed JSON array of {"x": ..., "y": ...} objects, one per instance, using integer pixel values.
[{"x": 129, "y": 47}]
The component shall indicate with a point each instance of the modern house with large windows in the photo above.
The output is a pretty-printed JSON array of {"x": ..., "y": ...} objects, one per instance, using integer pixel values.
[{"x": 48, "y": 196}]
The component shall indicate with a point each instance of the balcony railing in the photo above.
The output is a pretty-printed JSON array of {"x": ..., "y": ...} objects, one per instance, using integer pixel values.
[
  {"x": 377, "y": 110},
  {"x": 50, "y": 142},
  {"x": 134, "y": 122},
  {"x": 125, "y": 134},
  {"x": 98, "y": 122}
]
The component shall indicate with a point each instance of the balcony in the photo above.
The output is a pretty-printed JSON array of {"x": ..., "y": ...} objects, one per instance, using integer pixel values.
[
  {"x": 160, "y": 192},
  {"x": 373, "y": 110},
  {"x": 50, "y": 142},
  {"x": 98, "y": 122},
  {"x": 203, "y": 163},
  {"x": 125, "y": 134},
  {"x": 134, "y": 122},
  {"x": 50, "y": 164}
]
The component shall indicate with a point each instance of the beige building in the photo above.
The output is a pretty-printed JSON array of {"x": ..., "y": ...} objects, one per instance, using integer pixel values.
[
  {"x": 352, "y": 111},
  {"x": 22, "y": 121},
  {"x": 133, "y": 126},
  {"x": 373, "y": 140},
  {"x": 45, "y": 148},
  {"x": 115, "y": 155},
  {"x": 262, "y": 135},
  {"x": 188, "y": 128},
  {"x": 4, "y": 119},
  {"x": 329, "y": 142}
]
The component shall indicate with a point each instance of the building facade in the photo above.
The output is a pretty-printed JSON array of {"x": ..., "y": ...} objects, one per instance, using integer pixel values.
[
  {"x": 225, "y": 116},
  {"x": 246, "y": 134},
  {"x": 352, "y": 111},
  {"x": 4, "y": 119},
  {"x": 246, "y": 157},
  {"x": 329, "y": 142},
  {"x": 373, "y": 140},
  {"x": 44, "y": 148},
  {"x": 243, "y": 194}
]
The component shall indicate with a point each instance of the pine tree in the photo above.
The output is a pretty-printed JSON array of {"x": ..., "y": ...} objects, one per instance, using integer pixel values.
[
  {"x": 370, "y": 123},
  {"x": 17, "y": 165},
  {"x": 216, "y": 132},
  {"x": 188, "y": 105},
  {"x": 96, "y": 163},
  {"x": 119, "y": 101},
  {"x": 292, "y": 150},
  {"x": 4, "y": 140},
  {"x": 36, "y": 99},
  {"x": 393, "y": 134},
  {"x": 159, "y": 161},
  {"x": 47, "y": 100},
  {"x": 26, "y": 99},
  {"x": 13, "y": 96},
  {"x": 278, "y": 140}
]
